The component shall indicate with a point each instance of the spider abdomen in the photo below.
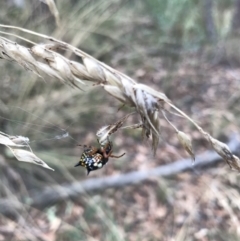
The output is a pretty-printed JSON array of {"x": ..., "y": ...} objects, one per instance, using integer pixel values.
[
  {"x": 92, "y": 162},
  {"x": 95, "y": 158}
]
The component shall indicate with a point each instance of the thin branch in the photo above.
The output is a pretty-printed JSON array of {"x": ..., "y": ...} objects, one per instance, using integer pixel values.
[{"x": 54, "y": 194}]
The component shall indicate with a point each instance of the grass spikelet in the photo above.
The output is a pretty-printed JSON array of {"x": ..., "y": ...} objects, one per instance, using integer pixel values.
[
  {"x": 112, "y": 79},
  {"x": 8, "y": 141},
  {"x": 116, "y": 93},
  {"x": 186, "y": 142},
  {"x": 27, "y": 156},
  {"x": 224, "y": 151},
  {"x": 79, "y": 70},
  {"x": 14, "y": 143},
  {"x": 94, "y": 69}
]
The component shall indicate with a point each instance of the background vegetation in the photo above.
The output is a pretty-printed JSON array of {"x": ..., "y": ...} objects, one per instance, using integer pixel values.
[{"x": 187, "y": 49}]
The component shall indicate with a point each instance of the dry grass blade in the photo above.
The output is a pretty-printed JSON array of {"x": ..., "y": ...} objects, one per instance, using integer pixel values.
[{"x": 53, "y": 9}]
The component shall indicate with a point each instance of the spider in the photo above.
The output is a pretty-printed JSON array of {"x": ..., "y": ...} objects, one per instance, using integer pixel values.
[{"x": 94, "y": 158}]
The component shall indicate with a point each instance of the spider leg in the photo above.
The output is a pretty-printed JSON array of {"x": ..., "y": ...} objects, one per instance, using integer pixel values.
[
  {"x": 105, "y": 155},
  {"x": 116, "y": 156}
]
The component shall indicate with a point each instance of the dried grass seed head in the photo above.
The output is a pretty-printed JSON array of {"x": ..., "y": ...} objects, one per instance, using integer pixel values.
[
  {"x": 221, "y": 148},
  {"x": 186, "y": 142},
  {"x": 145, "y": 99},
  {"x": 60, "y": 65}
]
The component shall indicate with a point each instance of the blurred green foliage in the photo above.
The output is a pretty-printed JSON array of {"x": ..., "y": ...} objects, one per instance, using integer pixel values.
[
  {"x": 178, "y": 20},
  {"x": 182, "y": 22}
]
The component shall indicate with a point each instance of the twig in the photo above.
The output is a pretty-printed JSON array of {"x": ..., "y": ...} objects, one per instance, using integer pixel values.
[{"x": 54, "y": 194}]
